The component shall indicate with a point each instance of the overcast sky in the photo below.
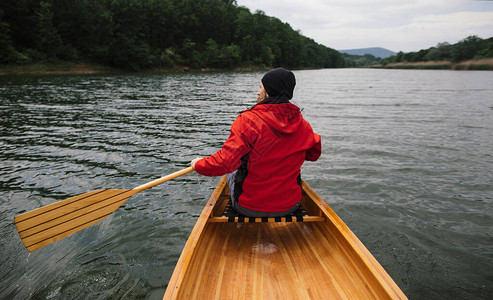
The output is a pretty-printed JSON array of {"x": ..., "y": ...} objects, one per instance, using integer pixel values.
[{"x": 398, "y": 25}]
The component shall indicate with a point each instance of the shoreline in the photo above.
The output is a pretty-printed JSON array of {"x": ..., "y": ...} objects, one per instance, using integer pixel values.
[
  {"x": 483, "y": 64},
  {"x": 56, "y": 68},
  {"x": 81, "y": 68}
]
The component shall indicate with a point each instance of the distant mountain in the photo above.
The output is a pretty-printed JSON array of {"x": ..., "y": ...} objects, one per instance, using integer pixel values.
[{"x": 375, "y": 51}]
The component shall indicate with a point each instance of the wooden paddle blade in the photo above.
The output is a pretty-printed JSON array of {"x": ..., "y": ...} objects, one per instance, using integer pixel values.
[{"x": 48, "y": 224}]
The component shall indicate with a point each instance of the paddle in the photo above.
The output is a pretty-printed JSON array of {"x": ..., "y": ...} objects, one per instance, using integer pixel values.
[{"x": 53, "y": 222}]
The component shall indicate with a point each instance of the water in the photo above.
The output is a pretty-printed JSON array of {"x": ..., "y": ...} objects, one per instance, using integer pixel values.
[{"x": 407, "y": 164}]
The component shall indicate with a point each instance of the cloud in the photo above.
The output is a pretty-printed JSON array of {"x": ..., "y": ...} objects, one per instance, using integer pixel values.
[{"x": 407, "y": 25}]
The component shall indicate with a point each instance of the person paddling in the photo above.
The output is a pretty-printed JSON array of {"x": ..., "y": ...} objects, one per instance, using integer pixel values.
[{"x": 266, "y": 148}]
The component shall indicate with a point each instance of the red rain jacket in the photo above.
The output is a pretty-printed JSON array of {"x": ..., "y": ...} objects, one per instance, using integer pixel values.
[{"x": 272, "y": 141}]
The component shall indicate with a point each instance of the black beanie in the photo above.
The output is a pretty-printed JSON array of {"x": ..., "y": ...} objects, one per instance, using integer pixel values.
[{"x": 279, "y": 83}]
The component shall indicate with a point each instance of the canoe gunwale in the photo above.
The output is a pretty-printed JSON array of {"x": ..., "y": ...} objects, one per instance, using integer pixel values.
[
  {"x": 363, "y": 253},
  {"x": 188, "y": 251}
]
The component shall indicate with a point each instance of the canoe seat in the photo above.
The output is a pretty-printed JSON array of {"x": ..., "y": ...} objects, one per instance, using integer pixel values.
[{"x": 232, "y": 216}]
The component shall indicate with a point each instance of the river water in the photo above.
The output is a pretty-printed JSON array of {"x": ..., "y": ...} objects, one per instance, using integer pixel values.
[{"x": 407, "y": 163}]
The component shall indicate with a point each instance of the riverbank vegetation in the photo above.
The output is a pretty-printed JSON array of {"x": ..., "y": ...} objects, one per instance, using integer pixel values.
[
  {"x": 472, "y": 64},
  {"x": 153, "y": 34},
  {"x": 360, "y": 61},
  {"x": 471, "y": 53}
]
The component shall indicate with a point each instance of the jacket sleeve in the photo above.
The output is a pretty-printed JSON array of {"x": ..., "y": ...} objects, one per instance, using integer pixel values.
[
  {"x": 228, "y": 158},
  {"x": 314, "y": 152}
]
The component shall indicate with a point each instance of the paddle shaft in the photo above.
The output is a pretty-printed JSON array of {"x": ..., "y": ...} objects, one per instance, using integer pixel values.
[{"x": 145, "y": 186}]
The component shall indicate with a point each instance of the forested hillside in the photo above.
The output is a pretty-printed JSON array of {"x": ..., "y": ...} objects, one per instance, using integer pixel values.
[{"x": 140, "y": 34}]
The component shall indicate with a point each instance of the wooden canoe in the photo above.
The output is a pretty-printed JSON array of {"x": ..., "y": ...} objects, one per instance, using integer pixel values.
[{"x": 318, "y": 257}]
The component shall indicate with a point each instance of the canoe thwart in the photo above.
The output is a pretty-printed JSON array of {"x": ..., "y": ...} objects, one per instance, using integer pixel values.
[
  {"x": 243, "y": 219},
  {"x": 232, "y": 216}
]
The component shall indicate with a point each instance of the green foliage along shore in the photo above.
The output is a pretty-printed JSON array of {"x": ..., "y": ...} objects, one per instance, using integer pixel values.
[
  {"x": 143, "y": 34},
  {"x": 471, "y": 53},
  {"x": 472, "y": 47}
]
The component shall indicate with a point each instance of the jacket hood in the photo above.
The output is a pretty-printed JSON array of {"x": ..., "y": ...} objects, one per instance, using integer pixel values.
[{"x": 283, "y": 117}]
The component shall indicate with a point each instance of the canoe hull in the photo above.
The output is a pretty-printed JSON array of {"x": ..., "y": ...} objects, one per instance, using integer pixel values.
[{"x": 286, "y": 260}]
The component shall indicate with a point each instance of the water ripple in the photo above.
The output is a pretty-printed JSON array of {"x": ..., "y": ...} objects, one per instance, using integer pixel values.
[{"x": 406, "y": 163}]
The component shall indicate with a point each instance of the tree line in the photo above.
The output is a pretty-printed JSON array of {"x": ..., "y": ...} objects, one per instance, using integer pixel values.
[
  {"x": 471, "y": 47},
  {"x": 360, "y": 61},
  {"x": 140, "y": 34}
]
